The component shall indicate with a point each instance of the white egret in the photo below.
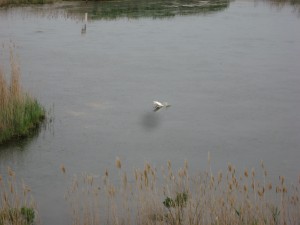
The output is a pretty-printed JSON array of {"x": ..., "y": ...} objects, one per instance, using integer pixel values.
[{"x": 158, "y": 105}]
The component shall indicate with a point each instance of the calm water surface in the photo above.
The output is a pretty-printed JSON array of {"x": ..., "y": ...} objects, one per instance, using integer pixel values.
[{"x": 231, "y": 74}]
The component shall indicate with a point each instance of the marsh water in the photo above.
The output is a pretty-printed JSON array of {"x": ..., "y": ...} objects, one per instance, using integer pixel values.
[{"x": 230, "y": 71}]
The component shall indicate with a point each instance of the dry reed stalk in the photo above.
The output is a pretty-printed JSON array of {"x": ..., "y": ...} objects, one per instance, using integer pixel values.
[
  {"x": 178, "y": 199},
  {"x": 16, "y": 204},
  {"x": 15, "y": 87},
  {"x": 3, "y": 90}
]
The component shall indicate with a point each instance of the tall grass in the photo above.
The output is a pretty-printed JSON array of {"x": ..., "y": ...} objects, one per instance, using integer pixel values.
[
  {"x": 16, "y": 204},
  {"x": 172, "y": 197},
  {"x": 19, "y": 112},
  {"x": 164, "y": 197}
]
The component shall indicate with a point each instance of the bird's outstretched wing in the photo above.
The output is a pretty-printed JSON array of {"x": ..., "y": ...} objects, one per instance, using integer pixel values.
[{"x": 157, "y": 105}]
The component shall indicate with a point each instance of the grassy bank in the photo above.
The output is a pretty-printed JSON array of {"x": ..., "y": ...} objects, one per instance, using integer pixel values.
[{"x": 20, "y": 113}]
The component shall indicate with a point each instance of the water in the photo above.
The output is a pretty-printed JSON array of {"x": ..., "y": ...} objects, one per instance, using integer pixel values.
[{"x": 230, "y": 74}]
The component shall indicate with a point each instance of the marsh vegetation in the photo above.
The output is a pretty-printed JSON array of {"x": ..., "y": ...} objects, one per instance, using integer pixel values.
[
  {"x": 20, "y": 113},
  {"x": 171, "y": 196},
  {"x": 151, "y": 195},
  {"x": 16, "y": 204}
]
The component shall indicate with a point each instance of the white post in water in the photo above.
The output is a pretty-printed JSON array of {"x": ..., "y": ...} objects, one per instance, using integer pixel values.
[{"x": 85, "y": 17}]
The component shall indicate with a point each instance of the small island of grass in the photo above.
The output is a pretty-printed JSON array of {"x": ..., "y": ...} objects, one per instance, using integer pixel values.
[{"x": 20, "y": 113}]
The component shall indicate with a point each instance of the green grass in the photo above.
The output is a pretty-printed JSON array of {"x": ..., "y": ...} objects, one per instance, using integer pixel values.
[{"x": 20, "y": 114}]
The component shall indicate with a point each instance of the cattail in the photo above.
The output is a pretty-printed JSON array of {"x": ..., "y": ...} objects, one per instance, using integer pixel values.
[
  {"x": 212, "y": 181},
  {"x": 281, "y": 179},
  {"x": 11, "y": 187},
  {"x": 147, "y": 167},
  {"x": 63, "y": 169},
  {"x": 278, "y": 189},
  {"x": 270, "y": 186},
  {"x": 169, "y": 165},
  {"x": 230, "y": 186},
  {"x": 26, "y": 189},
  {"x": 245, "y": 188},
  {"x": 229, "y": 167},
  {"x": 220, "y": 177},
  {"x": 10, "y": 172},
  {"x": 186, "y": 166},
  {"x": 111, "y": 191},
  {"x": 284, "y": 189},
  {"x": 118, "y": 163},
  {"x": 106, "y": 173},
  {"x": 253, "y": 172},
  {"x": 136, "y": 175},
  {"x": 90, "y": 179},
  {"x": 246, "y": 173},
  {"x": 181, "y": 172},
  {"x": 260, "y": 193},
  {"x": 146, "y": 178}
]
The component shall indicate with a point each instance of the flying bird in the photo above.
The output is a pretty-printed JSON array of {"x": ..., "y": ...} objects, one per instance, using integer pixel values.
[{"x": 158, "y": 105}]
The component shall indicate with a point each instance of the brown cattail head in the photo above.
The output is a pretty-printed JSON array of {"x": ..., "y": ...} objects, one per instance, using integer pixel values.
[
  {"x": 220, "y": 177},
  {"x": 186, "y": 166},
  {"x": 281, "y": 179},
  {"x": 229, "y": 167},
  {"x": 270, "y": 186},
  {"x": 10, "y": 172},
  {"x": 246, "y": 173},
  {"x": 118, "y": 163},
  {"x": 169, "y": 165},
  {"x": 253, "y": 172},
  {"x": 63, "y": 169}
]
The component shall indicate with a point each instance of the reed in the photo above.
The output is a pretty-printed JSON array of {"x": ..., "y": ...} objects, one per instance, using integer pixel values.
[
  {"x": 167, "y": 196},
  {"x": 19, "y": 112},
  {"x": 16, "y": 204}
]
